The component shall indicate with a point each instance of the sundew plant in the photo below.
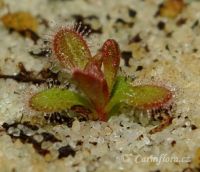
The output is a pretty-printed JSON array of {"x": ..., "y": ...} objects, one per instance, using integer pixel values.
[{"x": 100, "y": 88}]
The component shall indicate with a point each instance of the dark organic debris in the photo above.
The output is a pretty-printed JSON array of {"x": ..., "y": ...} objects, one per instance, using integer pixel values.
[
  {"x": 169, "y": 34},
  {"x": 195, "y": 50},
  {"x": 167, "y": 47},
  {"x": 146, "y": 47},
  {"x": 30, "y": 126},
  {"x": 47, "y": 74},
  {"x": 26, "y": 138},
  {"x": 108, "y": 17},
  {"x": 93, "y": 143},
  {"x": 49, "y": 137},
  {"x": 79, "y": 143},
  {"x": 59, "y": 118},
  {"x": 139, "y": 68},
  {"x": 155, "y": 60},
  {"x": 155, "y": 171},
  {"x": 28, "y": 33},
  {"x": 160, "y": 6},
  {"x": 164, "y": 115},
  {"x": 122, "y": 21},
  {"x": 132, "y": 12},
  {"x": 181, "y": 21},
  {"x": 196, "y": 23},
  {"x": 126, "y": 55},
  {"x": 122, "y": 24},
  {"x": 90, "y": 17},
  {"x": 193, "y": 127},
  {"x": 173, "y": 143},
  {"x": 65, "y": 151},
  {"x": 135, "y": 39},
  {"x": 26, "y": 123},
  {"x": 43, "y": 21},
  {"x": 161, "y": 25},
  {"x": 29, "y": 76},
  {"x": 42, "y": 53},
  {"x": 31, "y": 34},
  {"x": 23, "y": 76}
]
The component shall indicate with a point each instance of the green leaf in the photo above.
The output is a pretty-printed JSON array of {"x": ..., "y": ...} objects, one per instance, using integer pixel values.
[
  {"x": 56, "y": 99},
  {"x": 141, "y": 96},
  {"x": 71, "y": 49},
  {"x": 111, "y": 60}
]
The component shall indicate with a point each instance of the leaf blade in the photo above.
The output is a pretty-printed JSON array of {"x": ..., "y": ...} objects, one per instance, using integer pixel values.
[
  {"x": 93, "y": 86},
  {"x": 142, "y": 96},
  {"x": 56, "y": 99},
  {"x": 111, "y": 61},
  {"x": 150, "y": 96},
  {"x": 70, "y": 49}
]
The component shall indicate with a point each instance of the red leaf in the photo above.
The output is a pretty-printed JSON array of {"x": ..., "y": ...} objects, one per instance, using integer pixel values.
[
  {"x": 94, "y": 67},
  {"x": 111, "y": 61},
  {"x": 93, "y": 84}
]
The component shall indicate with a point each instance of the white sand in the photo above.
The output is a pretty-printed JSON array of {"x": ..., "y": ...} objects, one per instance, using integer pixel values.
[{"x": 109, "y": 146}]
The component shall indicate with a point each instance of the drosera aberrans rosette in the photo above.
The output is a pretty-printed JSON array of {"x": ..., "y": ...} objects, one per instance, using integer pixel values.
[{"x": 99, "y": 86}]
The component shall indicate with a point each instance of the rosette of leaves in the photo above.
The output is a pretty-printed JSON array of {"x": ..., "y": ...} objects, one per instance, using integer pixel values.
[{"x": 97, "y": 78}]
